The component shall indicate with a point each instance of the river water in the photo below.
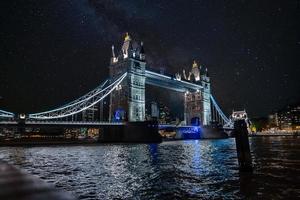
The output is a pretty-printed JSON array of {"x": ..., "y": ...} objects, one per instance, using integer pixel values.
[{"x": 191, "y": 169}]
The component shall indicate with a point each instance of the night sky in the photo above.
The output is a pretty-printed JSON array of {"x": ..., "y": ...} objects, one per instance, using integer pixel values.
[{"x": 53, "y": 51}]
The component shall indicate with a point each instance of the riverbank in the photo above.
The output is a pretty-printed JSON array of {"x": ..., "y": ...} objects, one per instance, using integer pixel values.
[
  {"x": 45, "y": 142},
  {"x": 268, "y": 134},
  {"x": 17, "y": 185}
]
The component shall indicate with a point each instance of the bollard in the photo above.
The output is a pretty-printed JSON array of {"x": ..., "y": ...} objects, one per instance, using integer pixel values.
[{"x": 242, "y": 146}]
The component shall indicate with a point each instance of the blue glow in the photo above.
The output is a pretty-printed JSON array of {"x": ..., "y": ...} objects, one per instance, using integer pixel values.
[
  {"x": 193, "y": 132},
  {"x": 119, "y": 115},
  {"x": 153, "y": 152}
]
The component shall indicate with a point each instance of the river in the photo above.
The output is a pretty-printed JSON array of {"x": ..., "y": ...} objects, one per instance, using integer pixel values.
[{"x": 191, "y": 169}]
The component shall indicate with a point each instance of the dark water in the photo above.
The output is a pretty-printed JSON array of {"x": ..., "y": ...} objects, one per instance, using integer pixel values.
[{"x": 194, "y": 169}]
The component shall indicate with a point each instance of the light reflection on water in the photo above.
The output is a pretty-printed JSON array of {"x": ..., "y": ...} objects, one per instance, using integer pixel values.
[{"x": 192, "y": 169}]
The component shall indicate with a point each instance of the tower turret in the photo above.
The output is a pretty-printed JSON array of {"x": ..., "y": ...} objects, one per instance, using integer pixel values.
[
  {"x": 126, "y": 46},
  {"x": 206, "y": 72},
  {"x": 195, "y": 71},
  {"x": 142, "y": 52},
  {"x": 114, "y": 59}
]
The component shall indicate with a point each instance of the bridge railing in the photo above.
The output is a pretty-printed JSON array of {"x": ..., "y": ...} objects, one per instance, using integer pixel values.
[
  {"x": 6, "y": 114},
  {"x": 74, "y": 122}
]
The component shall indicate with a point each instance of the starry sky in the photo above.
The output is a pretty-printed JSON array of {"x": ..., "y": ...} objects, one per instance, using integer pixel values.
[{"x": 53, "y": 51}]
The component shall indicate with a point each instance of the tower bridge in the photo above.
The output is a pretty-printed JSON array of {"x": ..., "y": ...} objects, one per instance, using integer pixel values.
[{"x": 125, "y": 87}]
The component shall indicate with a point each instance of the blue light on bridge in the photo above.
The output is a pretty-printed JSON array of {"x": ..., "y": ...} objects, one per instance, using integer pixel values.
[
  {"x": 119, "y": 115},
  {"x": 192, "y": 132}
]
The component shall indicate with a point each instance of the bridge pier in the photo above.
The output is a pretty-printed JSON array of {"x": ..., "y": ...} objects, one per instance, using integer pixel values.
[{"x": 131, "y": 132}]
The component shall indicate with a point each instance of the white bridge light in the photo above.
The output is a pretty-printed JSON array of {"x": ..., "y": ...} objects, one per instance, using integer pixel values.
[{"x": 22, "y": 116}]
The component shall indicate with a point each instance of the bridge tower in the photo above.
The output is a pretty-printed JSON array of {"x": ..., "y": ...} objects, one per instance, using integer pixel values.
[
  {"x": 193, "y": 99},
  {"x": 206, "y": 103},
  {"x": 197, "y": 103},
  {"x": 127, "y": 102}
]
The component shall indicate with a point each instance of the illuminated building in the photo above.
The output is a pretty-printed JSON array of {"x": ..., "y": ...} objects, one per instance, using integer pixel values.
[
  {"x": 289, "y": 118},
  {"x": 273, "y": 120}
]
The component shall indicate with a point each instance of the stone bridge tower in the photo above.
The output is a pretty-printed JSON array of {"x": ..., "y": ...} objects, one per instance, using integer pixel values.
[
  {"x": 206, "y": 102},
  {"x": 127, "y": 102},
  {"x": 197, "y": 106}
]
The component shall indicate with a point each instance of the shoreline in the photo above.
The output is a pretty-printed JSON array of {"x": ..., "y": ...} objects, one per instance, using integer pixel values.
[
  {"x": 34, "y": 143},
  {"x": 19, "y": 184},
  {"x": 273, "y": 135}
]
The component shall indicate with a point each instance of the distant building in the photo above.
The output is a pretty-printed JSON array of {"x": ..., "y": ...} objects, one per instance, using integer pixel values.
[
  {"x": 154, "y": 110},
  {"x": 289, "y": 118},
  {"x": 164, "y": 114},
  {"x": 286, "y": 119},
  {"x": 273, "y": 120}
]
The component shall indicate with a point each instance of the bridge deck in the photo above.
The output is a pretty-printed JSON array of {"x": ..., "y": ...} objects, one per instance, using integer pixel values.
[{"x": 169, "y": 82}]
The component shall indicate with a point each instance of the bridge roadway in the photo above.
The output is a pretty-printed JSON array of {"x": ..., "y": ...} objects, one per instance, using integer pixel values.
[
  {"x": 169, "y": 82},
  {"x": 59, "y": 124},
  {"x": 79, "y": 124}
]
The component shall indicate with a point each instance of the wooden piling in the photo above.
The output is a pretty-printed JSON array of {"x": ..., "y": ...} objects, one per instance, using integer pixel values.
[{"x": 242, "y": 145}]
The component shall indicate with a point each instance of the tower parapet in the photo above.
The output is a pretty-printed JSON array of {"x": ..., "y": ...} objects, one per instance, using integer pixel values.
[{"x": 196, "y": 71}]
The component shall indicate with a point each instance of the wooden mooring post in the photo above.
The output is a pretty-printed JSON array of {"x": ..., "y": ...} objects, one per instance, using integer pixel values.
[{"x": 242, "y": 146}]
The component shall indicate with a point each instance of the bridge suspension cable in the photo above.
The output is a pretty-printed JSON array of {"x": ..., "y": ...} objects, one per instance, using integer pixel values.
[
  {"x": 97, "y": 90},
  {"x": 219, "y": 111},
  {"x": 5, "y": 114},
  {"x": 80, "y": 104}
]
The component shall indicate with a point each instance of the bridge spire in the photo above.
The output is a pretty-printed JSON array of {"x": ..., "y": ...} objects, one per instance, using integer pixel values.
[
  {"x": 142, "y": 52},
  {"x": 126, "y": 46},
  {"x": 127, "y": 37},
  {"x": 113, "y": 58},
  {"x": 195, "y": 65},
  {"x": 195, "y": 71},
  {"x": 206, "y": 72}
]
